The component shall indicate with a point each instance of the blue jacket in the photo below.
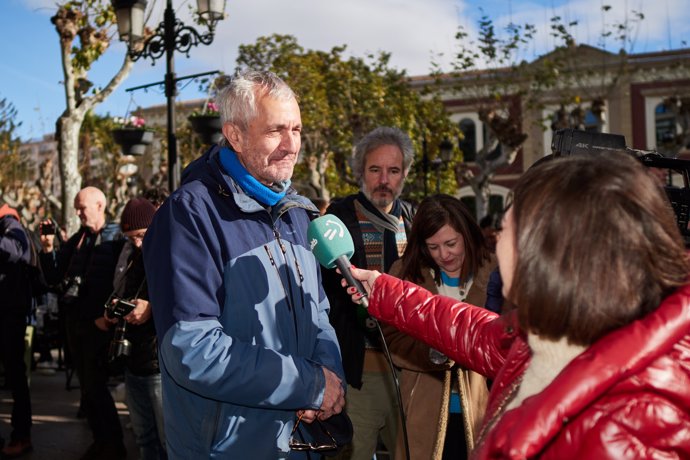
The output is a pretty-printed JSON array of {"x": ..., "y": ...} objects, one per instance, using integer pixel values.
[{"x": 242, "y": 324}]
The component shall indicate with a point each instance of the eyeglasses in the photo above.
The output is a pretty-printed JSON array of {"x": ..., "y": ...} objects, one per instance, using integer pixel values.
[
  {"x": 303, "y": 446},
  {"x": 136, "y": 238}
]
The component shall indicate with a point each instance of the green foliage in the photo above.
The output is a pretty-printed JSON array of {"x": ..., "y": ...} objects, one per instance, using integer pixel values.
[
  {"x": 341, "y": 99},
  {"x": 14, "y": 167},
  {"x": 89, "y": 21}
]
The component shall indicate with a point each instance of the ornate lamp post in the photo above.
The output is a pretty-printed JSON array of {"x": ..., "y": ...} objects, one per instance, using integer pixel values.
[
  {"x": 445, "y": 149},
  {"x": 170, "y": 35},
  {"x": 445, "y": 157}
]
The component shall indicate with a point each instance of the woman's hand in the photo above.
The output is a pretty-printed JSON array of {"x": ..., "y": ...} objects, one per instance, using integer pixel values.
[{"x": 367, "y": 277}]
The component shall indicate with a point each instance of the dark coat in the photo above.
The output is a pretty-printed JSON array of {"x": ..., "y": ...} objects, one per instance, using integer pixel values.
[
  {"x": 15, "y": 254},
  {"x": 344, "y": 314},
  {"x": 130, "y": 283},
  {"x": 92, "y": 257}
]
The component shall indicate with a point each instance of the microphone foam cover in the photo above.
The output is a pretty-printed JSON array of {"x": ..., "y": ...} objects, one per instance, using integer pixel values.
[{"x": 329, "y": 239}]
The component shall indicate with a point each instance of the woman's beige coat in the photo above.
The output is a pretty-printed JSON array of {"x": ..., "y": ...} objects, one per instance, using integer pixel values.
[{"x": 425, "y": 386}]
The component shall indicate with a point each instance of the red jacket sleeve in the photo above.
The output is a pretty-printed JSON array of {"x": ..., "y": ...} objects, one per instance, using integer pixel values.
[{"x": 472, "y": 336}]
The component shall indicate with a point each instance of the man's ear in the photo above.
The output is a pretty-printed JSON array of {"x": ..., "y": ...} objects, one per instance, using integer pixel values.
[{"x": 233, "y": 134}]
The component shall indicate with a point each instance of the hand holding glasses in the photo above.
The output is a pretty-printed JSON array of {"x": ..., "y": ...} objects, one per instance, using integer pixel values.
[{"x": 324, "y": 440}]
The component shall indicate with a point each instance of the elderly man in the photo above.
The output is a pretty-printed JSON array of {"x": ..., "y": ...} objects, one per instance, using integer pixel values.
[
  {"x": 379, "y": 222},
  {"x": 242, "y": 321},
  {"x": 85, "y": 266}
]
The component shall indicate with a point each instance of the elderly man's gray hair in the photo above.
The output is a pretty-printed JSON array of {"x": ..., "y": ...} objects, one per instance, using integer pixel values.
[
  {"x": 237, "y": 102},
  {"x": 383, "y": 135}
]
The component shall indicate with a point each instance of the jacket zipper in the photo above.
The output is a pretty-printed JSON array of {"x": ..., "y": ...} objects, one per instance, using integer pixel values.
[{"x": 290, "y": 297}]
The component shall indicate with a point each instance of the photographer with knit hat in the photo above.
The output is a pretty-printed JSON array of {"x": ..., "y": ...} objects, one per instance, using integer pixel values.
[{"x": 134, "y": 344}]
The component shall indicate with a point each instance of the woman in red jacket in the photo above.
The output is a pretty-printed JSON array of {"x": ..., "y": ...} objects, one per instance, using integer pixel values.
[{"x": 594, "y": 360}]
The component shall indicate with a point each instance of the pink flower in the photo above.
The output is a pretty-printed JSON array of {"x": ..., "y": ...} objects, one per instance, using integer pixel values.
[{"x": 131, "y": 122}]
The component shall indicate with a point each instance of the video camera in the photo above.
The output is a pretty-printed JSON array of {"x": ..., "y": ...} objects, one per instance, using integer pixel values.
[{"x": 575, "y": 142}]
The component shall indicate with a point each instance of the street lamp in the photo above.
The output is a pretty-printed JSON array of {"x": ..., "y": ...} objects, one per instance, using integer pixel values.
[
  {"x": 445, "y": 156},
  {"x": 170, "y": 35}
]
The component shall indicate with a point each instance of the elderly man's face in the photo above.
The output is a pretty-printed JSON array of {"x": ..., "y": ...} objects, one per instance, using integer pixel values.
[
  {"x": 269, "y": 147},
  {"x": 90, "y": 210}
]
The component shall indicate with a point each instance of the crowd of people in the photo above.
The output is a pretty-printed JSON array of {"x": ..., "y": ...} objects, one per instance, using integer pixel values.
[
  {"x": 563, "y": 334},
  {"x": 89, "y": 271}
]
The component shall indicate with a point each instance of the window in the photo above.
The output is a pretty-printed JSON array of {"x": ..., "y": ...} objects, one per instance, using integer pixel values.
[
  {"x": 497, "y": 198},
  {"x": 468, "y": 145},
  {"x": 664, "y": 125}
]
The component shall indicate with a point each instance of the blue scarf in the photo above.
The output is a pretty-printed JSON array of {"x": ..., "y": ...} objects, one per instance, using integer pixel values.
[
  {"x": 449, "y": 281},
  {"x": 263, "y": 194}
]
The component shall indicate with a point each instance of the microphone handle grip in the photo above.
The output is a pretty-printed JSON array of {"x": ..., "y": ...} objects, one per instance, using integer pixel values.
[{"x": 344, "y": 266}]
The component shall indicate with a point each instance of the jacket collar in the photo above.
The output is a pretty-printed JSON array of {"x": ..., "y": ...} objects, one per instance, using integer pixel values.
[{"x": 209, "y": 170}]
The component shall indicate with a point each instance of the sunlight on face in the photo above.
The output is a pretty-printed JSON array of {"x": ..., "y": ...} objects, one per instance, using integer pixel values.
[
  {"x": 384, "y": 176},
  {"x": 505, "y": 250},
  {"x": 89, "y": 210},
  {"x": 272, "y": 141}
]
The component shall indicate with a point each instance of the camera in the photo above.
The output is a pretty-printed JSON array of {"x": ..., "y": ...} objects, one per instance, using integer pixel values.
[
  {"x": 575, "y": 142},
  {"x": 47, "y": 228},
  {"x": 118, "y": 309},
  {"x": 119, "y": 346},
  {"x": 71, "y": 288}
]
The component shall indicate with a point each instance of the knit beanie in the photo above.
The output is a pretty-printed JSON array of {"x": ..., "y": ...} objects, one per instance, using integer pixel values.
[{"x": 138, "y": 214}]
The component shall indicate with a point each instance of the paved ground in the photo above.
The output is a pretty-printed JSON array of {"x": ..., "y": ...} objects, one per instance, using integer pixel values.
[{"x": 57, "y": 433}]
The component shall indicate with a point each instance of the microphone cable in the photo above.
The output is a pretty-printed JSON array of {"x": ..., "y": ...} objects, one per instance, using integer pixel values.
[{"x": 397, "y": 386}]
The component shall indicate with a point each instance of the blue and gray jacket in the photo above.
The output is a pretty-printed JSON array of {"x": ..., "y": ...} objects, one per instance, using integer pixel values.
[{"x": 241, "y": 317}]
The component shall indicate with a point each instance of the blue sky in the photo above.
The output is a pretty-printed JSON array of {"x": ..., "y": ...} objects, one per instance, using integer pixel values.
[{"x": 412, "y": 30}]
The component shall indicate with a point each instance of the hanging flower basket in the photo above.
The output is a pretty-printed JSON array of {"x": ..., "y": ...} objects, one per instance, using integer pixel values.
[
  {"x": 132, "y": 140},
  {"x": 208, "y": 127}
]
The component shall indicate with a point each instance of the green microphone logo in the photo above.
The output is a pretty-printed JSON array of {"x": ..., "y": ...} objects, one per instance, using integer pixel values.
[{"x": 332, "y": 232}]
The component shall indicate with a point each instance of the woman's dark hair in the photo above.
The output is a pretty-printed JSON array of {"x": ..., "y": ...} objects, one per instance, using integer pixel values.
[
  {"x": 597, "y": 247},
  {"x": 433, "y": 213}
]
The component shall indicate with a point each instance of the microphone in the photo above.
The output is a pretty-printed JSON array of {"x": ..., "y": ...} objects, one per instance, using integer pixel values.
[{"x": 332, "y": 245}]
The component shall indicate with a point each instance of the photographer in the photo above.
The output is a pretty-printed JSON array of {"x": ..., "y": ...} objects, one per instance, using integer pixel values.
[
  {"x": 84, "y": 266},
  {"x": 135, "y": 343},
  {"x": 16, "y": 303}
]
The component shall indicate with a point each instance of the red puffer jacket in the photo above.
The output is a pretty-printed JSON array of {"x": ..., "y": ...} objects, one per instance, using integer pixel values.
[{"x": 626, "y": 397}]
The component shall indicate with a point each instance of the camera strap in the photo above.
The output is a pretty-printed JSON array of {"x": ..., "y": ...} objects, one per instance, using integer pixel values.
[{"x": 122, "y": 279}]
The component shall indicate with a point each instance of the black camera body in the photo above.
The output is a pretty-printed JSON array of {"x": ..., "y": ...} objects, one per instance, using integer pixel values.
[
  {"x": 118, "y": 309},
  {"x": 47, "y": 228},
  {"x": 71, "y": 288},
  {"x": 119, "y": 346},
  {"x": 575, "y": 142}
]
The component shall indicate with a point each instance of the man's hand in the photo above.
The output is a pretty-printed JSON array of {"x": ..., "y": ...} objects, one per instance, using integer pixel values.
[
  {"x": 141, "y": 313},
  {"x": 333, "y": 396},
  {"x": 333, "y": 400},
  {"x": 102, "y": 323}
]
